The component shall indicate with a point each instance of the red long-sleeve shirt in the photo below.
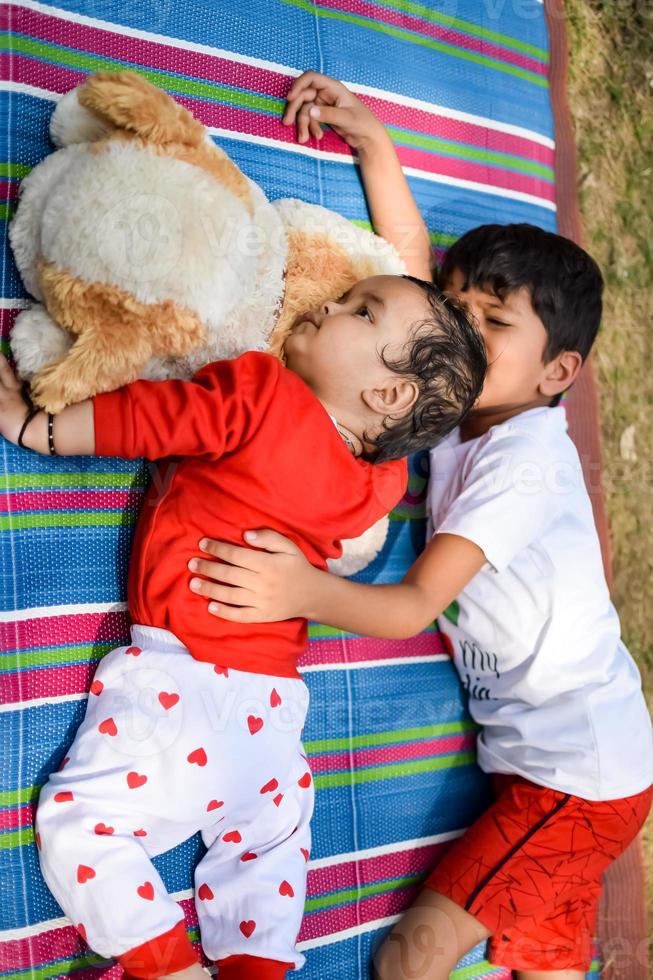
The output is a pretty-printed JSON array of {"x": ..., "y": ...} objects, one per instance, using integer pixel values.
[{"x": 253, "y": 447}]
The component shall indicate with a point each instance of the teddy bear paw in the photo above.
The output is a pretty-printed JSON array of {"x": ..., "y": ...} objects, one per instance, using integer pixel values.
[{"x": 36, "y": 340}]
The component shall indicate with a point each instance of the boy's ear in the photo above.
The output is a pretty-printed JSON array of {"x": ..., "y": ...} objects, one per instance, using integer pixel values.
[
  {"x": 560, "y": 373},
  {"x": 396, "y": 397}
]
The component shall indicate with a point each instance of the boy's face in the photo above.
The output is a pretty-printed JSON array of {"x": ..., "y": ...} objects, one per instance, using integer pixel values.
[
  {"x": 337, "y": 349},
  {"x": 515, "y": 340}
]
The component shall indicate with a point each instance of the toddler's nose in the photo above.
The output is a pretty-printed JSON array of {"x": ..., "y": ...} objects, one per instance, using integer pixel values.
[{"x": 328, "y": 309}]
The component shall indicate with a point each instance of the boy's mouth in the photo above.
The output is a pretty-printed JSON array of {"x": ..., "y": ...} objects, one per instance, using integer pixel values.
[{"x": 307, "y": 317}]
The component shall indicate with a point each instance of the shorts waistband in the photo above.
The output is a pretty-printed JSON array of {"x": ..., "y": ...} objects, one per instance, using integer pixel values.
[{"x": 154, "y": 636}]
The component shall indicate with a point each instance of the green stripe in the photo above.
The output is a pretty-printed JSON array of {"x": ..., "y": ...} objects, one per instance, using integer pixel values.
[
  {"x": 16, "y": 797},
  {"x": 164, "y": 80},
  {"x": 16, "y": 838},
  {"x": 14, "y": 169},
  {"x": 22, "y": 481},
  {"x": 363, "y": 891},
  {"x": 317, "y": 631},
  {"x": 391, "y": 737},
  {"x": 413, "y": 768},
  {"x": 417, "y": 10},
  {"x": 475, "y": 153},
  {"x": 437, "y": 238},
  {"x": 403, "y": 514},
  {"x": 52, "y": 657},
  {"x": 425, "y": 42},
  {"x": 92, "y": 518},
  {"x": 6, "y": 211}
]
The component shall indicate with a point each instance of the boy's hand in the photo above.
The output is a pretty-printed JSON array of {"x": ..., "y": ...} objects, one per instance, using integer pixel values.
[
  {"x": 12, "y": 407},
  {"x": 262, "y": 586},
  {"x": 315, "y": 99}
]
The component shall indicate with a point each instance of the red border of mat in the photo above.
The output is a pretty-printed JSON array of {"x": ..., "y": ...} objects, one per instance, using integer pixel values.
[{"x": 623, "y": 927}]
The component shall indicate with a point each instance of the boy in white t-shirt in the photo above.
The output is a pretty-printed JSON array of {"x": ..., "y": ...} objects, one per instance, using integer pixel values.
[{"x": 513, "y": 572}]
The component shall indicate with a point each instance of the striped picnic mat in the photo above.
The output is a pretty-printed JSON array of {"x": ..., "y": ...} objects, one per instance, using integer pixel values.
[{"x": 463, "y": 88}]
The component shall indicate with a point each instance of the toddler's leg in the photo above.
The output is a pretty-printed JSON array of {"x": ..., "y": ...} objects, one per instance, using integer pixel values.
[
  {"x": 250, "y": 886},
  {"x": 126, "y": 793}
]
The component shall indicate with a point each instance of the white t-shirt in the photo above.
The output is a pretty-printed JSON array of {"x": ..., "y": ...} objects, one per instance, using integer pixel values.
[{"x": 535, "y": 637}]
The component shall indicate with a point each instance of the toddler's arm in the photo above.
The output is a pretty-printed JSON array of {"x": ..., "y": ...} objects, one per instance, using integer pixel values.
[
  {"x": 314, "y": 99},
  {"x": 279, "y": 583},
  {"x": 74, "y": 434}
]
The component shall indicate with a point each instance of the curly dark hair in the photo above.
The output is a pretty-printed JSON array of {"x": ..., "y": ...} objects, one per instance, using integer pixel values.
[{"x": 446, "y": 359}]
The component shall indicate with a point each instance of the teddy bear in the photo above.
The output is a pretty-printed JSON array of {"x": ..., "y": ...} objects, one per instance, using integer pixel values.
[{"x": 150, "y": 254}]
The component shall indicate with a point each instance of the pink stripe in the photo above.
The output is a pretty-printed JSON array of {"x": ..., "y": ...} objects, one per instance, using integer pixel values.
[
  {"x": 8, "y": 190},
  {"x": 360, "y": 758},
  {"x": 7, "y": 318},
  {"x": 19, "y": 816},
  {"x": 383, "y": 867},
  {"x": 259, "y": 80},
  {"x": 377, "y": 12},
  {"x": 109, "y": 627},
  {"x": 105, "y": 498},
  {"x": 358, "y": 649},
  {"x": 49, "y": 682}
]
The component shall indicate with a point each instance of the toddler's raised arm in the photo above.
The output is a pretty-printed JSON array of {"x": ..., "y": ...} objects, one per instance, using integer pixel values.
[{"x": 315, "y": 99}]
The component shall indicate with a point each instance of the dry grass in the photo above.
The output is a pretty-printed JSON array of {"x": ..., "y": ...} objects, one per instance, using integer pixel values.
[{"x": 611, "y": 97}]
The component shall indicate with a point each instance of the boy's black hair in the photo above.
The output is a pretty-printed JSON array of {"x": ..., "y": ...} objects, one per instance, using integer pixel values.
[
  {"x": 446, "y": 358},
  {"x": 564, "y": 282}
]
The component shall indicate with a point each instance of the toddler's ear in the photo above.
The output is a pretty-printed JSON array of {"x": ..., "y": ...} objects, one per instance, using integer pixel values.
[
  {"x": 560, "y": 373},
  {"x": 396, "y": 397}
]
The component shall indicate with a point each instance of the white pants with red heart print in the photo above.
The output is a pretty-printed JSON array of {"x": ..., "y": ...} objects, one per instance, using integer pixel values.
[{"x": 171, "y": 745}]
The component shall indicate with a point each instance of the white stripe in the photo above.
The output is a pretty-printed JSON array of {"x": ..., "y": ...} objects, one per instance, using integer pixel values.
[
  {"x": 289, "y": 70},
  {"x": 13, "y": 304},
  {"x": 330, "y": 156},
  {"x": 22, "y": 89},
  {"x": 40, "y": 612},
  {"x": 369, "y": 664},
  {"x": 41, "y": 702},
  {"x": 338, "y": 937},
  {"x": 395, "y": 847}
]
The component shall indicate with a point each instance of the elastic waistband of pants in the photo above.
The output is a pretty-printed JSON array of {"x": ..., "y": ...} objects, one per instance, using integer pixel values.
[{"x": 154, "y": 636}]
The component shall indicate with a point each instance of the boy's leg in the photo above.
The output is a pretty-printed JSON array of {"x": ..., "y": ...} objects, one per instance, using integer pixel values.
[
  {"x": 428, "y": 941},
  {"x": 549, "y": 975}
]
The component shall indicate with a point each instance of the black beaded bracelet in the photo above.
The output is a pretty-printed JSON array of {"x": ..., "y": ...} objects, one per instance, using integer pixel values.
[
  {"x": 28, "y": 418},
  {"x": 53, "y": 451}
]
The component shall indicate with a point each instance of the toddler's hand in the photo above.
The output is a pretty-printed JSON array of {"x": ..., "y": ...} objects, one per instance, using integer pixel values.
[
  {"x": 12, "y": 407},
  {"x": 314, "y": 99}
]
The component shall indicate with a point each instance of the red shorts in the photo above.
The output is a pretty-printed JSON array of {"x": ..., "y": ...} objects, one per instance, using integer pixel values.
[{"x": 529, "y": 870}]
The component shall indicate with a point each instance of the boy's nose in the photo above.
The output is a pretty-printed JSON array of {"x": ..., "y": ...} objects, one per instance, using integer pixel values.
[{"x": 328, "y": 309}]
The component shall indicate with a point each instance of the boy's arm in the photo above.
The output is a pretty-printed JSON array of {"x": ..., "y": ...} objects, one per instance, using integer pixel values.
[
  {"x": 314, "y": 99},
  {"x": 279, "y": 583},
  {"x": 73, "y": 428}
]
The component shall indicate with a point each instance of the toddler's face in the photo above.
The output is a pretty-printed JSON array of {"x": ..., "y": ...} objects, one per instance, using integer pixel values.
[
  {"x": 337, "y": 349},
  {"x": 515, "y": 340}
]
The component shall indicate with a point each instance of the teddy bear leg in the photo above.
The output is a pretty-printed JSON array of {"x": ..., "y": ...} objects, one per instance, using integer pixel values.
[
  {"x": 36, "y": 340},
  {"x": 72, "y": 123}
]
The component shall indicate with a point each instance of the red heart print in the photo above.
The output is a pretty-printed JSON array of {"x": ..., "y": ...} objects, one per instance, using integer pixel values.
[
  {"x": 305, "y": 780},
  {"x": 205, "y": 893},
  {"x": 81, "y": 929},
  {"x": 221, "y": 670},
  {"x": 232, "y": 837},
  {"x": 168, "y": 700},
  {"x": 37, "y": 838},
  {"x": 134, "y": 651},
  {"x": 107, "y": 727},
  {"x": 277, "y": 799},
  {"x": 146, "y": 890},
  {"x": 247, "y": 928},
  {"x": 254, "y": 724},
  {"x": 96, "y": 688},
  {"x": 134, "y": 780},
  {"x": 248, "y": 856},
  {"x": 64, "y": 797},
  {"x": 198, "y": 756},
  {"x": 304, "y": 852},
  {"x": 275, "y": 700},
  {"x": 285, "y": 888},
  {"x": 214, "y": 805},
  {"x": 101, "y": 828},
  {"x": 64, "y": 762},
  {"x": 84, "y": 873},
  {"x": 270, "y": 786},
  {"x": 140, "y": 833}
]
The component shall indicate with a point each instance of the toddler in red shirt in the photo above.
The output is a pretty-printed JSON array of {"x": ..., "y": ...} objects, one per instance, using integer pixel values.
[{"x": 185, "y": 731}]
